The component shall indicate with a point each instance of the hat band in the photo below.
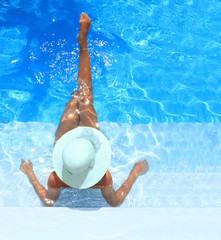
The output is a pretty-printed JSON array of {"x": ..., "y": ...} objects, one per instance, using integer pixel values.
[
  {"x": 91, "y": 165},
  {"x": 68, "y": 171}
]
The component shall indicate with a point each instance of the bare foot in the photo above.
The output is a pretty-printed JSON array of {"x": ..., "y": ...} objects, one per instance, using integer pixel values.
[
  {"x": 141, "y": 167},
  {"x": 84, "y": 26}
]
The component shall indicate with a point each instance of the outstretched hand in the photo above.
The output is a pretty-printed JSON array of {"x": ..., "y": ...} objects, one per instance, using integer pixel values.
[
  {"x": 26, "y": 167},
  {"x": 141, "y": 167}
]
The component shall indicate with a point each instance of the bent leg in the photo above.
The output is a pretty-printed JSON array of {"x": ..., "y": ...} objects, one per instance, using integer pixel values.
[
  {"x": 70, "y": 117},
  {"x": 88, "y": 115}
]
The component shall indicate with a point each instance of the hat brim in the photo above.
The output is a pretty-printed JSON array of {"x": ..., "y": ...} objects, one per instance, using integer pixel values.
[{"x": 91, "y": 176}]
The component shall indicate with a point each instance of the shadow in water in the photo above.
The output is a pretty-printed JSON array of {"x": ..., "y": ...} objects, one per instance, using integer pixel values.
[{"x": 84, "y": 199}]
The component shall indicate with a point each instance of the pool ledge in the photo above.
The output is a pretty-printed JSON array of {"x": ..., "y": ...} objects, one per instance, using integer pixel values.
[{"x": 110, "y": 223}]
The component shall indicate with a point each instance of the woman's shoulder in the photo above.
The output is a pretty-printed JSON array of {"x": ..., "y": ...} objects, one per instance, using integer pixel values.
[
  {"x": 106, "y": 181},
  {"x": 55, "y": 182}
]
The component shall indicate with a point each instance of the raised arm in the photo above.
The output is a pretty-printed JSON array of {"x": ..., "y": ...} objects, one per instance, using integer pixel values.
[
  {"x": 115, "y": 198},
  {"x": 48, "y": 197}
]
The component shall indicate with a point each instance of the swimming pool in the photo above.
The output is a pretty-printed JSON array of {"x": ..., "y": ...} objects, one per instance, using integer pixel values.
[{"x": 155, "y": 69}]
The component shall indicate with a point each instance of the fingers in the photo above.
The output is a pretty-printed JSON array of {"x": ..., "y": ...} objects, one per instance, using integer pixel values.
[
  {"x": 22, "y": 161},
  {"x": 146, "y": 163},
  {"x": 142, "y": 161},
  {"x": 30, "y": 163}
]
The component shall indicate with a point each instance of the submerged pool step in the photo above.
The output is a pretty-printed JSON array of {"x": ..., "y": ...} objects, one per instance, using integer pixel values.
[{"x": 184, "y": 162}]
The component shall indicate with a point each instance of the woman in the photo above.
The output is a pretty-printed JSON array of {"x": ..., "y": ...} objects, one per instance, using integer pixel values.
[{"x": 79, "y": 111}]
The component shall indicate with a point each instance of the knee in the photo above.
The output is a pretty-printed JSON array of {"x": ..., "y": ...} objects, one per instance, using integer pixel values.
[
  {"x": 72, "y": 102},
  {"x": 85, "y": 99}
]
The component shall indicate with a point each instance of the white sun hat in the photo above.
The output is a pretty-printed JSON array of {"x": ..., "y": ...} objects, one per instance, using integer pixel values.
[{"x": 81, "y": 157}]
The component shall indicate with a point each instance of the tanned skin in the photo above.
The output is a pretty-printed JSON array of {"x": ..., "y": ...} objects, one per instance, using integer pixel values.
[{"x": 79, "y": 111}]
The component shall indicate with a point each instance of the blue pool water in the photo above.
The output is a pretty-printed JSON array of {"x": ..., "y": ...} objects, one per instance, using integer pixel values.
[{"x": 155, "y": 68}]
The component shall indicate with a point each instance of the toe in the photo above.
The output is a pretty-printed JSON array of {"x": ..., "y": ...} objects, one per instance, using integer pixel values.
[{"x": 83, "y": 15}]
